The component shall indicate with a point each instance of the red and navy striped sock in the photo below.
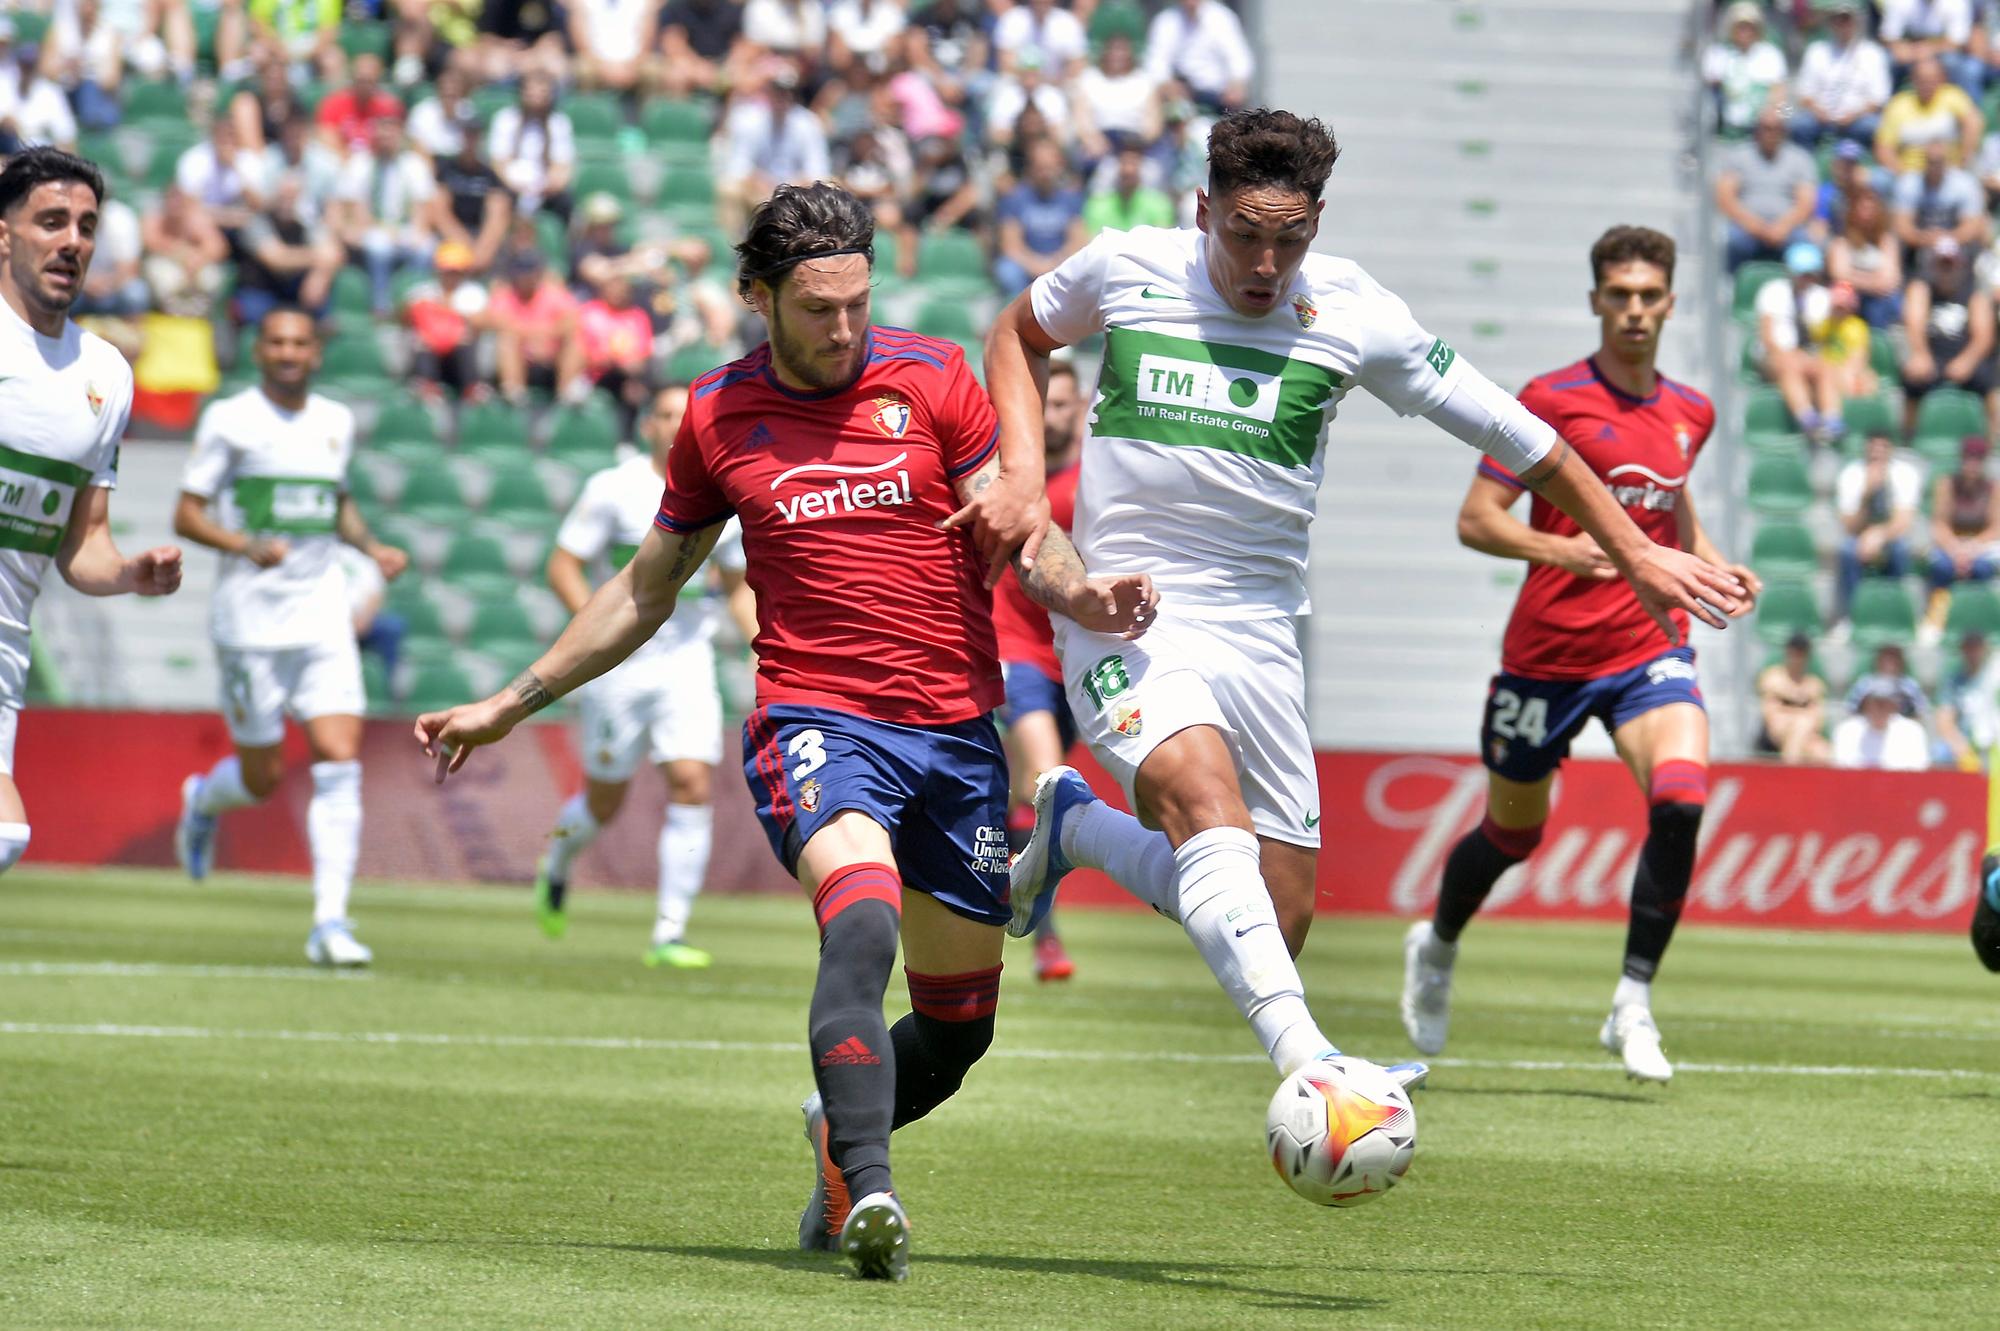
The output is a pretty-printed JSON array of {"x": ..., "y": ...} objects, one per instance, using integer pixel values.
[
  {"x": 1679, "y": 796},
  {"x": 854, "y": 1061},
  {"x": 950, "y": 1026}
]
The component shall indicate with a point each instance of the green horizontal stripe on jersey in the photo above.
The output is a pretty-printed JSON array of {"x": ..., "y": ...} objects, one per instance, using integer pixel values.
[
  {"x": 28, "y": 535},
  {"x": 1193, "y": 394},
  {"x": 301, "y": 505},
  {"x": 48, "y": 469}
]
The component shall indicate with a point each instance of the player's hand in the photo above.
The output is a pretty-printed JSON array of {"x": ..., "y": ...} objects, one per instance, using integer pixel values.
[
  {"x": 1580, "y": 555},
  {"x": 390, "y": 560},
  {"x": 267, "y": 551},
  {"x": 1666, "y": 580},
  {"x": 1753, "y": 586},
  {"x": 451, "y": 736},
  {"x": 156, "y": 572},
  {"x": 1006, "y": 516},
  {"x": 1125, "y": 605}
]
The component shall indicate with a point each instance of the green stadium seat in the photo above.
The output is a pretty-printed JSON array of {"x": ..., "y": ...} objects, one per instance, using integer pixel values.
[
  {"x": 1882, "y": 356},
  {"x": 1765, "y": 413},
  {"x": 603, "y": 178},
  {"x": 949, "y": 255},
  {"x": 489, "y": 98},
  {"x": 361, "y": 485},
  {"x": 1869, "y": 415},
  {"x": 1939, "y": 453},
  {"x": 478, "y": 565},
  {"x": 501, "y": 619},
  {"x": 422, "y": 649},
  {"x": 1783, "y": 550},
  {"x": 686, "y": 188},
  {"x": 437, "y": 685},
  {"x": 375, "y": 682},
  {"x": 1786, "y": 608},
  {"x": 518, "y": 490},
  {"x": 1750, "y": 279},
  {"x": 579, "y": 435},
  {"x": 405, "y": 419},
  {"x": 949, "y": 319},
  {"x": 1975, "y": 608},
  {"x": 691, "y": 362},
  {"x": 492, "y": 424},
  {"x": 1881, "y": 612},
  {"x": 678, "y": 122},
  {"x": 432, "y": 494},
  {"x": 1119, "y": 18},
  {"x": 594, "y": 115},
  {"x": 161, "y": 100},
  {"x": 354, "y": 359},
  {"x": 353, "y": 298},
  {"x": 409, "y": 597},
  {"x": 363, "y": 38},
  {"x": 1780, "y": 485},
  {"x": 1950, "y": 414}
]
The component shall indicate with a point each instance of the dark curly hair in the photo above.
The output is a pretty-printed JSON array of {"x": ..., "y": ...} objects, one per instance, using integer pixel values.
[
  {"x": 800, "y": 222},
  {"x": 38, "y": 166},
  {"x": 1622, "y": 244},
  {"x": 1266, "y": 147}
]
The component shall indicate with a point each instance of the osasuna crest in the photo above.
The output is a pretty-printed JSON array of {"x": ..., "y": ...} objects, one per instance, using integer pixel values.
[
  {"x": 892, "y": 416},
  {"x": 1306, "y": 311},
  {"x": 94, "y": 398},
  {"x": 809, "y": 794},
  {"x": 1682, "y": 440}
]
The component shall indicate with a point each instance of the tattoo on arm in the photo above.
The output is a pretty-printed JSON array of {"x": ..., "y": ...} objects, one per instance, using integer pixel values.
[
  {"x": 1057, "y": 568},
  {"x": 1552, "y": 463},
  {"x": 534, "y": 694},
  {"x": 685, "y": 558}
]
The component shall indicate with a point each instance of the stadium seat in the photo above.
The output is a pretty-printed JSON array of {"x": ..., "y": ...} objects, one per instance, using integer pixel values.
[
  {"x": 950, "y": 255},
  {"x": 432, "y": 493},
  {"x": 1119, "y": 18},
  {"x": 491, "y": 424},
  {"x": 1881, "y": 612},
  {"x": 583, "y": 437},
  {"x": 1765, "y": 414},
  {"x": 683, "y": 188},
  {"x": 680, "y": 122},
  {"x": 1786, "y": 608},
  {"x": 691, "y": 362},
  {"x": 1869, "y": 415},
  {"x": 355, "y": 360},
  {"x": 1750, "y": 279},
  {"x": 593, "y": 115},
  {"x": 489, "y": 98},
  {"x": 404, "y": 419},
  {"x": 375, "y": 683},
  {"x": 950, "y": 319},
  {"x": 604, "y": 178},
  {"x": 1949, "y": 414},
  {"x": 410, "y": 598},
  {"x": 437, "y": 685},
  {"x": 518, "y": 490},
  {"x": 361, "y": 485},
  {"x": 161, "y": 100},
  {"x": 364, "y": 38},
  {"x": 499, "y": 620},
  {"x": 353, "y": 299},
  {"x": 1975, "y": 608},
  {"x": 1780, "y": 485},
  {"x": 478, "y": 566},
  {"x": 1783, "y": 550}
]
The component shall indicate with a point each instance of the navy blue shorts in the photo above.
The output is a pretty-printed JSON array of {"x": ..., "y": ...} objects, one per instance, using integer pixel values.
[
  {"x": 940, "y": 791},
  {"x": 1530, "y": 722},
  {"x": 1029, "y": 690}
]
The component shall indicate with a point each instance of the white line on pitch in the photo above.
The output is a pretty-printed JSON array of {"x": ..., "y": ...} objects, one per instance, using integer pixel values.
[
  {"x": 650, "y": 1045},
  {"x": 162, "y": 970}
]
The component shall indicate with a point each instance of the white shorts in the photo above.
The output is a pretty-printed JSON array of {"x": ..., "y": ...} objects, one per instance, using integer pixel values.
[
  {"x": 13, "y": 692},
  {"x": 1244, "y": 677},
  {"x": 261, "y": 684},
  {"x": 10, "y": 720},
  {"x": 666, "y": 710}
]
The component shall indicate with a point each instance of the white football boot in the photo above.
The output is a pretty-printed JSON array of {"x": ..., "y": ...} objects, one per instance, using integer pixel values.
[
  {"x": 1426, "y": 988},
  {"x": 1629, "y": 1032},
  {"x": 334, "y": 944},
  {"x": 876, "y": 1238}
]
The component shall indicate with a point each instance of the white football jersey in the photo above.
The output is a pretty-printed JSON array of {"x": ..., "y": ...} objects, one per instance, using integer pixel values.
[
  {"x": 279, "y": 473},
  {"x": 64, "y": 402},
  {"x": 610, "y": 519},
  {"x": 1207, "y": 432}
]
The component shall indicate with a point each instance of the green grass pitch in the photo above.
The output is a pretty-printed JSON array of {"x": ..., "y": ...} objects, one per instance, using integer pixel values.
[{"x": 491, "y": 1130}]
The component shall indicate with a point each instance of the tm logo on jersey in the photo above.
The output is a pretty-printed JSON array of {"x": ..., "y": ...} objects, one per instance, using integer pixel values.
[
  {"x": 1203, "y": 394},
  {"x": 849, "y": 493}
]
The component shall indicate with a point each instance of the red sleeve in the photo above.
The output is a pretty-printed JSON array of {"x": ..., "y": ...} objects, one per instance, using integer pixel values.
[
  {"x": 692, "y": 499},
  {"x": 329, "y": 114},
  {"x": 968, "y": 429}
]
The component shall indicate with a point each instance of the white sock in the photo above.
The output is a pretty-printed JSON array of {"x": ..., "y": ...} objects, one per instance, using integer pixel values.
[
  {"x": 1631, "y": 992},
  {"x": 1227, "y": 911},
  {"x": 333, "y": 828},
  {"x": 1113, "y": 842},
  {"x": 222, "y": 788},
  {"x": 684, "y": 843},
  {"x": 13, "y": 844},
  {"x": 575, "y": 829},
  {"x": 1436, "y": 952}
]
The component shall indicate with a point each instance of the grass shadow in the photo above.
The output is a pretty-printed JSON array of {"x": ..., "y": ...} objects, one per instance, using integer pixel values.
[{"x": 1568, "y": 1092}]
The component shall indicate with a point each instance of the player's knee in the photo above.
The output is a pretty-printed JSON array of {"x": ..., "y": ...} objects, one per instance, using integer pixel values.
[
  {"x": 604, "y": 800},
  {"x": 1679, "y": 782},
  {"x": 1294, "y": 922},
  {"x": 689, "y": 783},
  {"x": 859, "y": 909},
  {"x": 954, "y": 1016},
  {"x": 13, "y": 844},
  {"x": 1515, "y": 843},
  {"x": 262, "y": 779}
]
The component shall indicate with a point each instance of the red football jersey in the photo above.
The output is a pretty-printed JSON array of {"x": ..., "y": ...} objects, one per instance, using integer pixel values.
[
  {"x": 1566, "y": 627},
  {"x": 1023, "y": 626},
  {"x": 862, "y": 603}
]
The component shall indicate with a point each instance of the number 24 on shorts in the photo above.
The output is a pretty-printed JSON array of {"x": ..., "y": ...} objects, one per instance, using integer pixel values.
[{"x": 1515, "y": 719}]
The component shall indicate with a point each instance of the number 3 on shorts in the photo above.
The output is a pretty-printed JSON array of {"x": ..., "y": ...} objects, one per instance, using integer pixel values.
[
  {"x": 1106, "y": 680},
  {"x": 1515, "y": 719},
  {"x": 809, "y": 747}
]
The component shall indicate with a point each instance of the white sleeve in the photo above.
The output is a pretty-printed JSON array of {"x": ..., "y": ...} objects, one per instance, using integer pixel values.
[
  {"x": 1479, "y": 412},
  {"x": 1879, "y": 86},
  {"x": 1401, "y": 363},
  {"x": 1775, "y": 302},
  {"x": 352, "y": 186},
  {"x": 1847, "y": 742},
  {"x": 1159, "y": 46},
  {"x": 208, "y": 465},
  {"x": 1895, "y": 21},
  {"x": 728, "y": 552},
  {"x": 1906, "y": 484},
  {"x": 1236, "y": 53},
  {"x": 1068, "y": 300},
  {"x": 1812, "y": 71},
  {"x": 105, "y": 474},
  {"x": 562, "y": 139},
  {"x": 1958, "y": 23},
  {"x": 1847, "y": 489},
  {"x": 587, "y": 531}
]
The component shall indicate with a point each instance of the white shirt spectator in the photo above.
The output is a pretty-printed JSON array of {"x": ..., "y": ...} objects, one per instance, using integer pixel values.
[
  {"x": 1906, "y": 486},
  {"x": 392, "y": 192},
  {"x": 1901, "y": 746},
  {"x": 138, "y": 43},
  {"x": 434, "y": 129},
  {"x": 866, "y": 27},
  {"x": 96, "y": 52},
  {"x": 1208, "y": 54},
  {"x": 207, "y": 180},
  {"x": 118, "y": 235},
  {"x": 40, "y": 112},
  {"x": 1778, "y": 301},
  {"x": 789, "y": 27},
  {"x": 1745, "y": 79},
  {"x": 1841, "y": 83},
  {"x": 318, "y": 170},
  {"x": 757, "y": 143},
  {"x": 1118, "y": 104},
  {"x": 522, "y": 151},
  {"x": 1058, "y": 36},
  {"x": 1010, "y": 98},
  {"x": 618, "y": 31},
  {"x": 1920, "y": 20}
]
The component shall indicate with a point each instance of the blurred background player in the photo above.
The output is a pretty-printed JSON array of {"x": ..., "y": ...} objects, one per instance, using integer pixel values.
[
  {"x": 267, "y": 486},
  {"x": 872, "y": 755},
  {"x": 1581, "y": 646},
  {"x": 65, "y": 396},
  {"x": 662, "y": 702},
  {"x": 1228, "y": 347},
  {"x": 1040, "y": 728}
]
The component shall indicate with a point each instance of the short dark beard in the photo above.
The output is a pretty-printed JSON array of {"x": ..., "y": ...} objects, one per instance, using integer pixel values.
[{"x": 785, "y": 352}]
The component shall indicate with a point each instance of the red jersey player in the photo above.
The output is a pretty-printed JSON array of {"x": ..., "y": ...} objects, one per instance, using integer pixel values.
[
  {"x": 1040, "y": 728},
  {"x": 1580, "y": 646},
  {"x": 845, "y": 450}
]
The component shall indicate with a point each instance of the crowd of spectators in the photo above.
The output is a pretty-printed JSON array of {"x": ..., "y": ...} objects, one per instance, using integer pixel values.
[{"x": 517, "y": 199}]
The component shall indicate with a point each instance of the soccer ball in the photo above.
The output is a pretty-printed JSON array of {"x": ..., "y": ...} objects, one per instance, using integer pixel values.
[{"x": 1341, "y": 1131}]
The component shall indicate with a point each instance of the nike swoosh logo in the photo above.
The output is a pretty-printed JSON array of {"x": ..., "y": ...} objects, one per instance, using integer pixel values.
[
  {"x": 1261, "y": 924},
  {"x": 1151, "y": 294},
  {"x": 1312, "y": 820}
]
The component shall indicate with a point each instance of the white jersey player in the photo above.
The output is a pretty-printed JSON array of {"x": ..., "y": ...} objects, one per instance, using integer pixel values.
[
  {"x": 660, "y": 704},
  {"x": 267, "y": 486},
  {"x": 65, "y": 396},
  {"x": 1228, "y": 350}
]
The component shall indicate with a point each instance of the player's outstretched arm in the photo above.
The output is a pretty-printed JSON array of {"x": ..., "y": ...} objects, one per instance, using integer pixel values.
[
  {"x": 193, "y": 522},
  {"x": 352, "y": 528},
  {"x": 1486, "y": 523},
  {"x": 1012, "y": 513},
  {"x": 1124, "y": 605},
  {"x": 90, "y": 561},
  {"x": 1694, "y": 537},
  {"x": 625, "y": 612}
]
